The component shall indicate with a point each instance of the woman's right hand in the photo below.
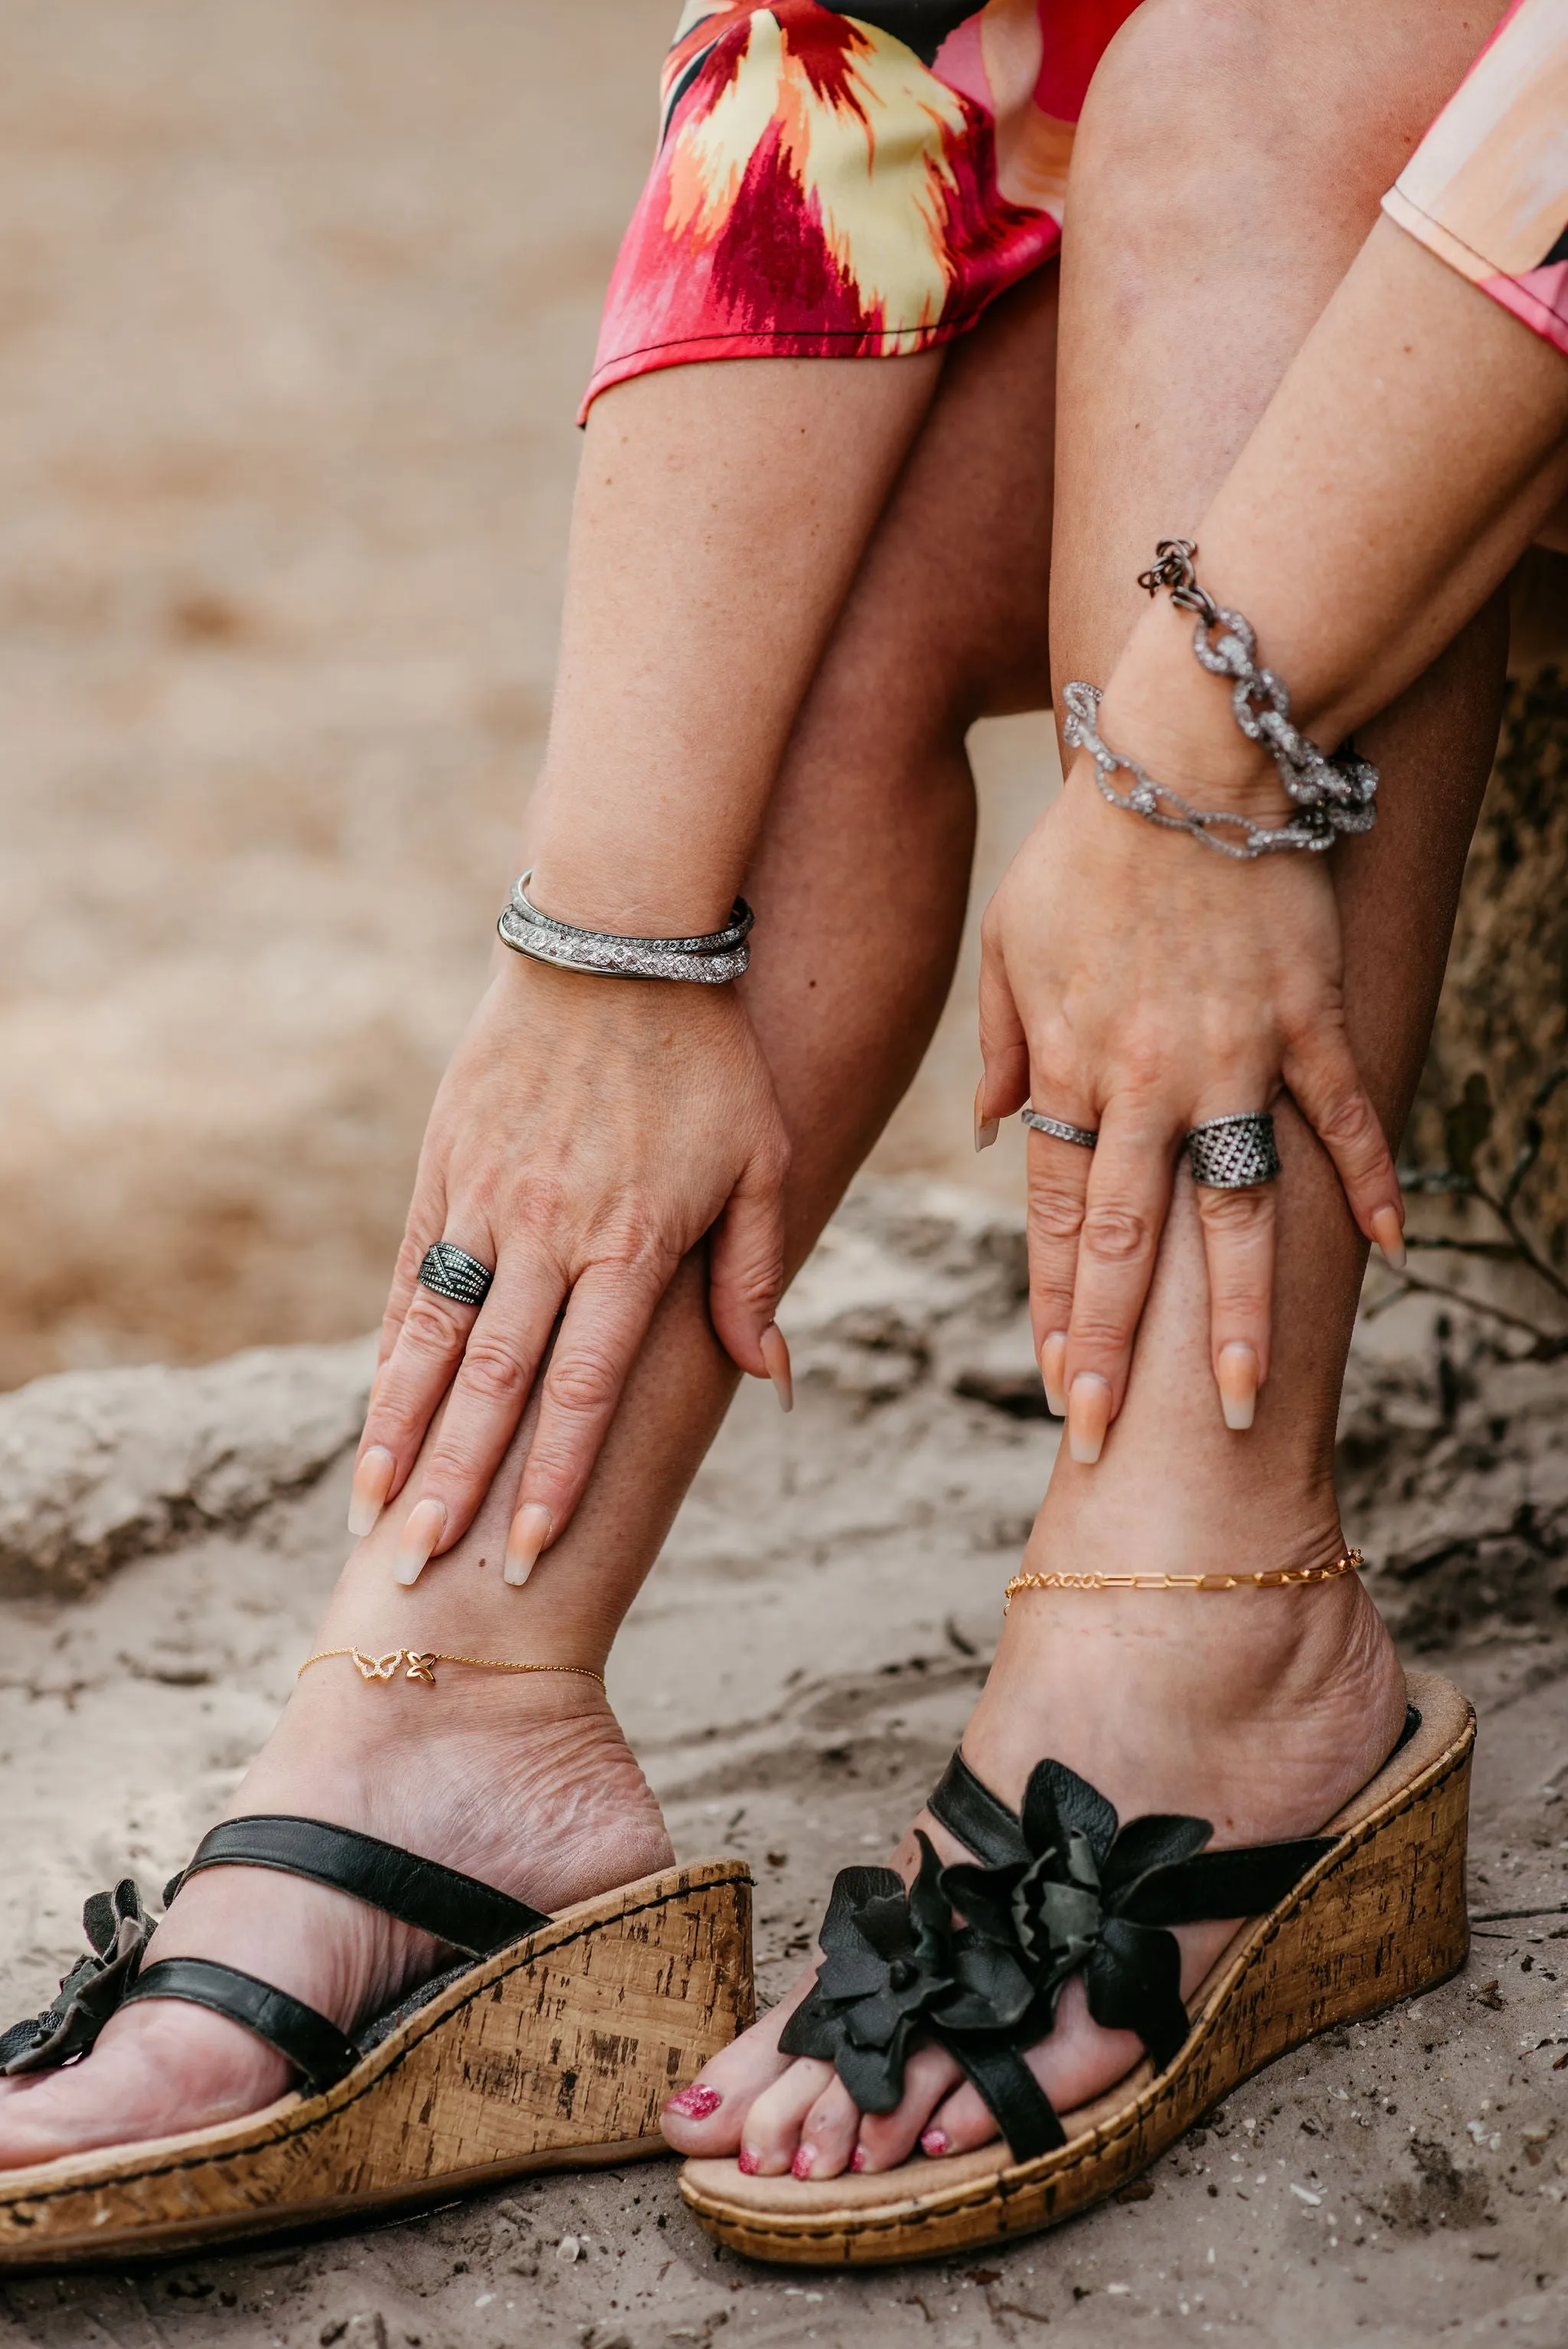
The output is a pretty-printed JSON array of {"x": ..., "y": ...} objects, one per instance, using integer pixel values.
[{"x": 585, "y": 1136}]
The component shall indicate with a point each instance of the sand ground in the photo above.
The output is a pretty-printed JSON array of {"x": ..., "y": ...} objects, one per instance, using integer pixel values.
[{"x": 832, "y": 1589}]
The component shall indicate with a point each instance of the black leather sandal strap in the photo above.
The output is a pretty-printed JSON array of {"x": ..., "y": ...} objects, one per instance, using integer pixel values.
[
  {"x": 457, "y": 1908},
  {"x": 317, "y": 2048},
  {"x": 980, "y": 1819},
  {"x": 1013, "y": 2097}
]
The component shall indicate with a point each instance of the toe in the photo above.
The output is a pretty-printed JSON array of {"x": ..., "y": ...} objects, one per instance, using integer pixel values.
[
  {"x": 960, "y": 2122},
  {"x": 706, "y": 2120},
  {"x": 828, "y": 2134},
  {"x": 887, "y": 2138},
  {"x": 771, "y": 2137}
]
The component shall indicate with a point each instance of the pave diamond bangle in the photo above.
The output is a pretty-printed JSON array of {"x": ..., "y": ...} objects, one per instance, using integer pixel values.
[
  {"x": 1329, "y": 796},
  {"x": 711, "y": 959}
]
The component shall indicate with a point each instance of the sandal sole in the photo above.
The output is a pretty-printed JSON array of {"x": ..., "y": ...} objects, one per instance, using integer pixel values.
[
  {"x": 1382, "y": 1918},
  {"x": 556, "y": 2053}
]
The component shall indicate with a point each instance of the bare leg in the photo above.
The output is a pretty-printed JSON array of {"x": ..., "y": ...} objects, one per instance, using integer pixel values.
[
  {"x": 1260, "y": 1711},
  {"x": 946, "y": 618}
]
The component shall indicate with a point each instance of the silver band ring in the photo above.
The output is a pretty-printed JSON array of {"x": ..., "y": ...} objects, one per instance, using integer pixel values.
[
  {"x": 1081, "y": 1134},
  {"x": 1232, "y": 1153},
  {"x": 452, "y": 1272}
]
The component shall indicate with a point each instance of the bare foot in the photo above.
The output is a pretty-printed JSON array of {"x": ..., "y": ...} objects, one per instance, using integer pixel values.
[
  {"x": 526, "y": 1782},
  {"x": 1262, "y": 1711}
]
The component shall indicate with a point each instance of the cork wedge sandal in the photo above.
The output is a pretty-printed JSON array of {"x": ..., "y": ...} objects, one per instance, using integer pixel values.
[
  {"x": 1343, "y": 1924},
  {"x": 551, "y": 2043}
]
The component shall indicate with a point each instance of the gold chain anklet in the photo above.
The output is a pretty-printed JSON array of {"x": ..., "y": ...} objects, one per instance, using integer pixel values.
[
  {"x": 1275, "y": 1577},
  {"x": 421, "y": 1663}
]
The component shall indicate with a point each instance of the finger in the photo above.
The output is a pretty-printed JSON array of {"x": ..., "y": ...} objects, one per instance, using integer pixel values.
[
  {"x": 607, "y": 1318},
  {"x": 1124, "y": 1211},
  {"x": 489, "y": 1396},
  {"x": 1326, "y": 1087},
  {"x": 409, "y": 1384},
  {"x": 1058, "y": 1176},
  {"x": 1239, "y": 1249},
  {"x": 745, "y": 1273},
  {"x": 1003, "y": 1086},
  {"x": 426, "y": 1223}
]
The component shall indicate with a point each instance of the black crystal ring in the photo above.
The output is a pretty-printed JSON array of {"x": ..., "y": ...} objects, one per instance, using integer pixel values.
[
  {"x": 1232, "y": 1153},
  {"x": 452, "y": 1272}
]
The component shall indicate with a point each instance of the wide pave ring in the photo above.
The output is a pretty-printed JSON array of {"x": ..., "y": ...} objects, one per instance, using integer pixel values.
[
  {"x": 452, "y": 1272},
  {"x": 1085, "y": 1136},
  {"x": 1232, "y": 1153}
]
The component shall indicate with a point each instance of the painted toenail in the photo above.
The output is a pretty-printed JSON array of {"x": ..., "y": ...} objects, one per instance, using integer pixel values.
[
  {"x": 805, "y": 2155},
  {"x": 933, "y": 2142},
  {"x": 858, "y": 2158},
  {"x": 749, "y": 2161},
  {"x": 696, "y": 2103}
]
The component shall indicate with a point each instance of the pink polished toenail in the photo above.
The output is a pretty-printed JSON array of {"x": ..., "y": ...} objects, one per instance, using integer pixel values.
[
  {"x": 857, "y": 2159},
  {"x": 696, "y": 2102},
  {"x": 805, "y": 2155},
  {"x": 933, "y": 2142},
  {"x": 748, "y": 2161}
]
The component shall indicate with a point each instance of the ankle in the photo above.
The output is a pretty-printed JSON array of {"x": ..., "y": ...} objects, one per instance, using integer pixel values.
[{"x": 1228, "y": 1704}]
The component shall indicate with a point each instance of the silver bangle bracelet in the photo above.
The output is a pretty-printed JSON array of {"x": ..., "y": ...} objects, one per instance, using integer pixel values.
[
  {"x": 712, "y": 960},
  {"x": 1330, "y": 797}
]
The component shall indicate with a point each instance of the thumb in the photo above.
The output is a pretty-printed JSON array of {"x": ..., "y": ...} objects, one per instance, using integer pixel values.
[
  {"x": 746, "y": 1273},
  {"x": 1003, "y": 1048}
]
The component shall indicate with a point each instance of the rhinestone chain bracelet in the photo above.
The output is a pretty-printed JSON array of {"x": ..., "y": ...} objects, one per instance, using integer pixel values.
[{"x": 1330, "y": 796}]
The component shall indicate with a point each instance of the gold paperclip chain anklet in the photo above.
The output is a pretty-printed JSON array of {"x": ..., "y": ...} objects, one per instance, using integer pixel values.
[
  {"x": 421, "y": 1663},
  {"x": 1275, "y": 1577}
]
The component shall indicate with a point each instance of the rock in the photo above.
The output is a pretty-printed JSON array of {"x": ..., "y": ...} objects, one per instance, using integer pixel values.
[
  {"x": 99, "y": 1466},
  {"x": 901, "y": 1261}
]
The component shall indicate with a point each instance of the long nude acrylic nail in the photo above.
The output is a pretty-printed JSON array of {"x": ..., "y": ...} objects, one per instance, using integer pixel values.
[
  {"x": 775, "y": 1359},
  {"x": 1088, "y": 1416},
  {"x": 987, "y": 1129},
  {"x": 372, "y": 1482},
  {"x": 1236, "y": 1372},
  {"x": 530, "y": 1531},
  {"x": 426, "y": 1525},
  {"x": 1390, "y": 1235},
  {"x": 1053, "y": 1372}
]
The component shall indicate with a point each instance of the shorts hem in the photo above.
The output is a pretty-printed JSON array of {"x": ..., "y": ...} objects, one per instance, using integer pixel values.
[
  {"x": 819, "y": 343},
  {"x": 1485, "y": 275}
]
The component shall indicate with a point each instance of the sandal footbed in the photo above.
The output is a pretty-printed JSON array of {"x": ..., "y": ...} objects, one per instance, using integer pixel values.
[
  {"x": 1407, "y": 1921},
  {"x": 557, "y": 2053}
]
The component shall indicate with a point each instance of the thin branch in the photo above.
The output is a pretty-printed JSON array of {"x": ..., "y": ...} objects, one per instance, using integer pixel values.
[{"x": 1544, "y": 1346}]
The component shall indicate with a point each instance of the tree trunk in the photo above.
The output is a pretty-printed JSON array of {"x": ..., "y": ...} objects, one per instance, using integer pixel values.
[{"x": 1502, "y": 1031}]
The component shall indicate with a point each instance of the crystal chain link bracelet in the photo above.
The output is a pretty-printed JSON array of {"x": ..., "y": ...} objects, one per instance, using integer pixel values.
[{"x": 1330, "y": 795}]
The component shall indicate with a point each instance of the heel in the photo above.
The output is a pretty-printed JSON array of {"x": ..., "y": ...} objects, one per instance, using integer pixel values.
[
  {"x": 1386, "y": 1918},
  {"x": 578, "y": 2043}
]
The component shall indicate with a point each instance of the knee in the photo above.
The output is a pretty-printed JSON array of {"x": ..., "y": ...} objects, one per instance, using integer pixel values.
[{"x": 1199, "y": 106}]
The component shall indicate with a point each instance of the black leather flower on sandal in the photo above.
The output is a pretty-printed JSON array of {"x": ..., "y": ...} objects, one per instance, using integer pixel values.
[
  {"x": 1326, "y": 1929},
  {"x": 976, "y": 1956}
]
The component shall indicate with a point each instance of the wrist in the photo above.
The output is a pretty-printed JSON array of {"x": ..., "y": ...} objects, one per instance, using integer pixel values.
[
  {"x": 1162, "y": 710},
  {"x": 612, "y": 892}
]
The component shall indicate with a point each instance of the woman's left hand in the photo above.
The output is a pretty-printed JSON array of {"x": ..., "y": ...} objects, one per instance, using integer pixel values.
[{"x": 1135, "y": 983}]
